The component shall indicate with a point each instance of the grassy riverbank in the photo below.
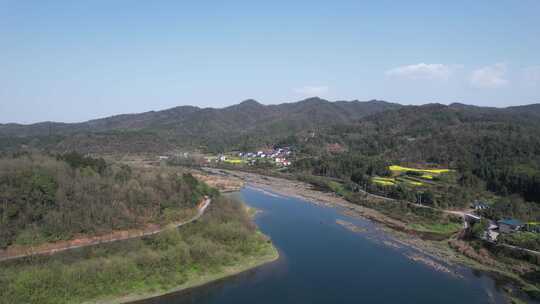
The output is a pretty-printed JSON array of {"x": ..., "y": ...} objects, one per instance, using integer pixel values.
[
  {"x": 222, "y": 243},
  {"x": 267, "y": 255}
]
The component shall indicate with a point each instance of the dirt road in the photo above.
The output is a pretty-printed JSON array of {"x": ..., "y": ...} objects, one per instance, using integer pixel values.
[{"x": 52, "y": 248}]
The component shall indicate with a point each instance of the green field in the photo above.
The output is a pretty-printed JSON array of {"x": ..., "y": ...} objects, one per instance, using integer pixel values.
[
  {"x": 439, "y": 228},
  {"x": 337, "y": 188},
  {"x": 410, "y": 181}
]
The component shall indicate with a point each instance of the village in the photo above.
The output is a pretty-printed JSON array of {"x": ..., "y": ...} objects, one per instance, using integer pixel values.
[{"x": 280, "y": 157}]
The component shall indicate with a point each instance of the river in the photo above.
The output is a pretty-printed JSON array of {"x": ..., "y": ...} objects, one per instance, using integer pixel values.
[{"x": 324, "y": 262}]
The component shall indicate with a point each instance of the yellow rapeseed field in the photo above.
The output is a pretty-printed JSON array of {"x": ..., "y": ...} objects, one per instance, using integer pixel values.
[
  {"x": 396, "y": 168},
  {"x": 384, "y": 181},
  {"x": 234, "y": 161}
]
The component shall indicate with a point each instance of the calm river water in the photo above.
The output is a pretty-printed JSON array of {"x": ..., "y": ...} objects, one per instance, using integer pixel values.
[{"x": 323, "y": 262}]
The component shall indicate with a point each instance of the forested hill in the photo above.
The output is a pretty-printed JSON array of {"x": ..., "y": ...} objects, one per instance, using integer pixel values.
[
  {"x": 47, "y": 198},
  {"x": 192, "y": 126},
  {"x": 249, "y": 125},
  {"x": 445, "y": 134},
  {"x": 500, "y": 146}
]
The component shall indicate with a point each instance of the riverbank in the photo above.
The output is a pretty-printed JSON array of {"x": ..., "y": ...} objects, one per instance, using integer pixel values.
[
  {"x": 441, "y": 250},
  {"x": 196, "y": 280},
  {"x": 223, "y": 242},
  {"x": 305, "y": 191},
  {"x": 267, "y": 255}
]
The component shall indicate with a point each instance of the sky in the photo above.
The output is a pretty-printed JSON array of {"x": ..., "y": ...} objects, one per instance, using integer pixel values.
[{"x": 77, "y": 60}]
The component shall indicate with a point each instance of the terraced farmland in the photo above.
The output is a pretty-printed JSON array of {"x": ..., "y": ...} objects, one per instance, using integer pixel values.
[
  {"x": 428, "y": 172},
  {"x": 385, "y": 181},
  {"x": 411, "y": 177}
]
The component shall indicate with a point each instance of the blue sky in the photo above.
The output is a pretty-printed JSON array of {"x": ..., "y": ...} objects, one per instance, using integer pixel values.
[{"x": 78, "y": 60}]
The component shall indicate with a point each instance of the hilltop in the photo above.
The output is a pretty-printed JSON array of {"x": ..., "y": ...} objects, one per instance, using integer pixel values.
[
  {"x": 245, "y": 125},
  {"x": 248, "y": 122}
]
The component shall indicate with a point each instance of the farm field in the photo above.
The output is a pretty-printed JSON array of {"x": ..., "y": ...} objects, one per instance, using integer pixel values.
[
  {"x": 391, "y": 181},
  {"x": 410, "y": 181},
  {"x": 412, "y": 177},
  {"x": 428, "y": 172},
  {"x": 385, "y": 181},
  {"x": 235, "y": 161}
]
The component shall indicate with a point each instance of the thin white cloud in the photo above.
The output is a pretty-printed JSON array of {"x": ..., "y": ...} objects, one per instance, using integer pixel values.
[
  {"x": 493, "y": 76},
  {"x": 309, "y": 91},
  {"x": 423, "y": 71}
]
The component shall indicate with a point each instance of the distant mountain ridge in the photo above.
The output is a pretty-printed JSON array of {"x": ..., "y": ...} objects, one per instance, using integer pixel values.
[
  {"x": 242, "y": 115},
  {"x": 243, "y": 125}
]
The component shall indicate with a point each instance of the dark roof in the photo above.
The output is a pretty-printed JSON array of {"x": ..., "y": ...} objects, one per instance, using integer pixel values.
[{"x": 511, "y": 222}]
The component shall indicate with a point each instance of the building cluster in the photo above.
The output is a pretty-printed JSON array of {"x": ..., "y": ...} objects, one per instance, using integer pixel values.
[
  {"x": 278, "y": 156},
  {"x": 497, "y": 227}
]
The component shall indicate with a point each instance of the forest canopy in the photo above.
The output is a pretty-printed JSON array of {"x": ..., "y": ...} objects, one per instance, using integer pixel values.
[{"x": 48, "y": 198}]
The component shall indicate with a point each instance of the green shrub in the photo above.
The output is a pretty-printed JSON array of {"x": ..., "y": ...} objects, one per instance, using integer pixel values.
[{"x": 221, "y": 238}]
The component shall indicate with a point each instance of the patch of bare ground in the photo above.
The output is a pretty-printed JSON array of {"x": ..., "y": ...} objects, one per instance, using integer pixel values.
[{"x": 220, "y": 182}]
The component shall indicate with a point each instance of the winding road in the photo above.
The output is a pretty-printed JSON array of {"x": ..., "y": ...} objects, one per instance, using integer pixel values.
[{"x": 113, "y": 237}]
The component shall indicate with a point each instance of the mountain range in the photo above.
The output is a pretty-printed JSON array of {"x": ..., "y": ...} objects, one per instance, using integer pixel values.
[{"x": 246, "y": 124}]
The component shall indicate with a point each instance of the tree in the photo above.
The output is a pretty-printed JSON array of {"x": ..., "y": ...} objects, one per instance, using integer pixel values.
[{"x": 479, "y": 228}]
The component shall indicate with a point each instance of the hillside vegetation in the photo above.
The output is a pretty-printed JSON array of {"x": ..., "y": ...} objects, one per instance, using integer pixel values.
[
  {"x": 45, "y": 198},
  {"x": 223, "y": 242},
  {"x": 494, "y": 149},
  {"x": 246, "y": 125},
  {"x": 487, "y": 149}
]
